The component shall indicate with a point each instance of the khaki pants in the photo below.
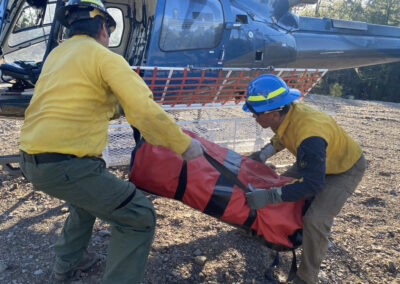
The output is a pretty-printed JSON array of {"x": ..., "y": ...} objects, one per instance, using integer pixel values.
[
  {"x": 318, "y": 220},
  {"x": 94, "y": 192}
]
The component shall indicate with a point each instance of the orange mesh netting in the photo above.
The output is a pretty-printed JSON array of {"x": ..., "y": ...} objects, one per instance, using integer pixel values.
[{"x": 195, "y": 86}]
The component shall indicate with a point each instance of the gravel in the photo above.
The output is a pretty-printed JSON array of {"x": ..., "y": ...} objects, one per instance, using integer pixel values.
[{"x": 190, "y": 247}]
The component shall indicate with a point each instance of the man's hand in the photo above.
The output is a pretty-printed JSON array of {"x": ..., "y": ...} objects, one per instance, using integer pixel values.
[
  {"x": 264, "y": 154},
  {"x": 194, "y": 150},
  {"x": 259, "y": 198}
]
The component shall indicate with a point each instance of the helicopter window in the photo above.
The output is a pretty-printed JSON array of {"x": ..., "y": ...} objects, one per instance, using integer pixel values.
[
  {"x": 242, "y": 19},
  {"x": 259, "y": 56},
  {"x": 193, "y": 24},
  {"x": 33, "y": 23},
  {"x": 116, "y": 36},
  {"x": 34, "y": 52}
]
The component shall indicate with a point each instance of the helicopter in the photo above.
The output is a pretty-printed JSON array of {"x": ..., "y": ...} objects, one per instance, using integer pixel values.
[{"x": 195, "y": 53}]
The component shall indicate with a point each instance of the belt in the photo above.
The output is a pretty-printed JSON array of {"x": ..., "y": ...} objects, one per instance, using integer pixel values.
[{"x": 45, "y": 157}]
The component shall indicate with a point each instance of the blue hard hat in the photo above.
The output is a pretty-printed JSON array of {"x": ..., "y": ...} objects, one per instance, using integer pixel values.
[{"x": 267, "y": 93}]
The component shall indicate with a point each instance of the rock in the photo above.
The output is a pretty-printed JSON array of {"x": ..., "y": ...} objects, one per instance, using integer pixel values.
[
  {"x": 197, "y": 252},
  {"x": 13, "y": 187},
  {"x": 392, "y": 268},
  {"x": 65, "y": 209},
  {"x": 104, "y": 233},
  {"x": 96, "y": 239},
  {"x": 38, "y": 272},
  {"x": 200, "y": 259},
  {"x": 322, "y": 277},
  {"x": 3, "y": 266},
  {"x": 176, "y": 274}
]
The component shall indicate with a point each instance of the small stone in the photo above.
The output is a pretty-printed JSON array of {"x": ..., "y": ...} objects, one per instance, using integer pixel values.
[
  {"x": 38, "y": 272},
  {"x": 13, "y": 187},
  {"x": 200, "y": 259},
  {"x": 175, "y": 274},
  {"x": 96, "y": 239},
  {"x": 104, "y": 233},
  {"x": 10, "y": 235},
  {"x": 197, "y": 252},
  {"x": 3, "y": 266},
  {"x": 392, "y": 268},
  {"x": 323, "y": 277},
  {"x": 65, "y": 209}
]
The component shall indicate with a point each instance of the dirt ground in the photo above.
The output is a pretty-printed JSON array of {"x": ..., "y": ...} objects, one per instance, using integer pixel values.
[{"x": 190, "y": 247}]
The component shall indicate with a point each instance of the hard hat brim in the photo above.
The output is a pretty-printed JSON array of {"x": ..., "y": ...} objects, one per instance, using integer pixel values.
[{"x": 261, "y": 106}]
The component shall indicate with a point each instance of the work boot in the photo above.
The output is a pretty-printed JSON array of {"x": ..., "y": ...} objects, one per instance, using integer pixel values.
[{"x": 88, "y": 260}]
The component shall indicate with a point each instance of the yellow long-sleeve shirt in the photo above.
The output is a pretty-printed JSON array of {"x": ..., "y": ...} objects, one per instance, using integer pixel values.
[{"x": 77, "y": 94}]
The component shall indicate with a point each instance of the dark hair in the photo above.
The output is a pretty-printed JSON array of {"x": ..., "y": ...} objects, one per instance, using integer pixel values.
[
  {"x": 285, "y": 110},
  {"x": 90, "y": 27}
]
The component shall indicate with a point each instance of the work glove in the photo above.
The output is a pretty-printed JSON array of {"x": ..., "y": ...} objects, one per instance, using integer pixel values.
[
  {"x": 194, "y": 150},
  {"x": 264, "y": 154},
  {"x": 259, "y": 198}
]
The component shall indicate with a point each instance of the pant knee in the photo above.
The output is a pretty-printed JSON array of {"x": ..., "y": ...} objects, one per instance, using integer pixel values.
[
  {"x": 137, "y": 216},
  {"x": 317, "y": 224}
]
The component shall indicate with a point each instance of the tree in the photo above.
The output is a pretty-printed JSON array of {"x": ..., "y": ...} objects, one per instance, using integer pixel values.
[{"x": 380, "y": 82}]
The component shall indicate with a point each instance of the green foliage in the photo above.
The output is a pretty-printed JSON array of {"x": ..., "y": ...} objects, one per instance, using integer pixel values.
[
  {"x": 381, "y": 82},
  {"x": 336, "y": 90}
]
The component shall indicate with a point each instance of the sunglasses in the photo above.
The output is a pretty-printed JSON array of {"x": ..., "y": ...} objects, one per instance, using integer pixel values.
[{"x": 253, "y": 111}]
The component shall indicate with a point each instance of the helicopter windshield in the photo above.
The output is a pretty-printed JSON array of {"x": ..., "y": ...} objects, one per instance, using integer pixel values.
[
  {"x": 31, "y": 30},
  {"x": 193, "y": 24}
]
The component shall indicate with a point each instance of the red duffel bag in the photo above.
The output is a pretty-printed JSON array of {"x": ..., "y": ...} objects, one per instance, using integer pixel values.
[{"x": 216, "y": 184}]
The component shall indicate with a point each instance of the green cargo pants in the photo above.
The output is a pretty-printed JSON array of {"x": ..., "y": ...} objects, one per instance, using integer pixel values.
[
  {"x": 318, "y": 220},
  {"x": 94, "y": 192}
]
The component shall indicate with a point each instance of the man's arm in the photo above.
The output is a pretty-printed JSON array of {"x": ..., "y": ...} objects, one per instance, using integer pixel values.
[
  {"x": 311, "y": 164},
  {"x": 156, "y": 126},
  {"x": 268, "y": 150}
]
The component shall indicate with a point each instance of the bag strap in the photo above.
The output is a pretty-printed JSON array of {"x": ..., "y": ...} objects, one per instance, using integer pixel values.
[
  {"x": 226, "y": 172},
  {"x": 293, "y": 267},
  {"x": 180, "y": 191}
]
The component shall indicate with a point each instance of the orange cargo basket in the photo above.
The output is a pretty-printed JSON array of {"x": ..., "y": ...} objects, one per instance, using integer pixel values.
[{"x": 190, "y": 87}]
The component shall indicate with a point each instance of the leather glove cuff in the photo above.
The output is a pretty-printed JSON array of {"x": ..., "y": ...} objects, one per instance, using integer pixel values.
[{"x": 267, "y": 152}]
